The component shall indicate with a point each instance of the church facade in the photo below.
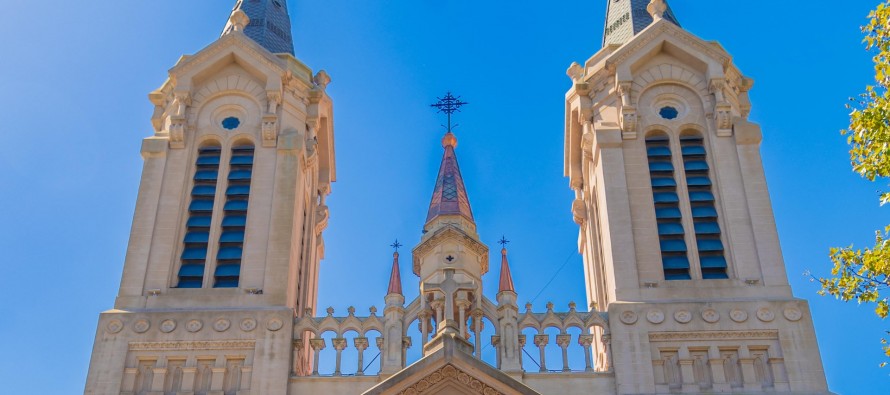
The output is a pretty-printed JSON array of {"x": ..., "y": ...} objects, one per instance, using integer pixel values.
[{"x": 686, "y": 283}]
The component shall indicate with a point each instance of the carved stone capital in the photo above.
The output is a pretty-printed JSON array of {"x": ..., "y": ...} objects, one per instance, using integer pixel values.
[
  {"x": 339, "y": 343},
  {"x": 723, "y": 119},
  {"x": 317, "y": 344},
  {"x": 585, "y": 340},
  {"x": 361, "y": 343},
  {"x": 542, "y": 340},
  {"x": 177, "y": 132},
  {"x": 270, "y": 130},
  {"x": 563, "y": 340}
]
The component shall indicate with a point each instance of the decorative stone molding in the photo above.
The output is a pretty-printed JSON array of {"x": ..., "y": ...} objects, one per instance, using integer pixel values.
[
  {"x": 793, "y": 314},
  {"x": 710, "y": 316},
  {"x": 114, "y": 326},
  {"x": 655, "y": 316},
  {"x": 714, "y": 335},
  {"x": 683, "y": 316},
  {"x": 274, "y": 324},
  {"x": 765, "y": 314},
  {"x": 449, "y": 372},
  {"x": 193, "y": 345},
  {"x": 221, "y": 325},
  {"x": 628, "y": 317},
  {"x": 141, "y": 326},
  {"x": 194, "y": 326},
  {"x": 248, "y": 324},
  {"x": 168, "y": 326},
  {"x": 738, "y": 315}
]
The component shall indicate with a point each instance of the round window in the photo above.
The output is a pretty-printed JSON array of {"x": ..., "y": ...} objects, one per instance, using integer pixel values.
[
  {"x": 231, "y": 123},
  {"x": 668, "y": 112}
]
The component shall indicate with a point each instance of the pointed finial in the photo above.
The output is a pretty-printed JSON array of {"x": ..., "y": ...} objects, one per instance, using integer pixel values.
[
  {"x": 395, "y": 277},
  {"x": 449, "y": 104},
  {"x": 657, "y": 8},
  {"x": 506, "y": 280}
]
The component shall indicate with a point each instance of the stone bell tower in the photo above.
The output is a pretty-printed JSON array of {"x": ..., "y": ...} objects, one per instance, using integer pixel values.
[
  {"x": 676, "y": 226},
  {"x": 227, "y": 233}
]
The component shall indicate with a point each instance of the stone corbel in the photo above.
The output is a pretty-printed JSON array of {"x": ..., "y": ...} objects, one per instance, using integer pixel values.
[
  {"x": 579, "y": 211},
  {"x": 270, "y": 130},
  {"x": 628, "y": 116},
  {"x": 177, "y": 132},
  {"x": 322, "y": 214},
  {"x": 178, "y": 126},
  {"x": 722, "y": 108},
  {"x": 159, "y": 100}
]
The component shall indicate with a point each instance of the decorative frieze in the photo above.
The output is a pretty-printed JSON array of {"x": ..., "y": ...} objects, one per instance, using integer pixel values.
[{"x": 193, "y": 345}]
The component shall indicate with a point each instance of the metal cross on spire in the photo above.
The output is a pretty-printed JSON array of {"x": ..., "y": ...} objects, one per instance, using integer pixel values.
[
  {"x": 449, "y": 105},
  {"x": 503, "y": 242},
  {"x": 396, "y": 245}
]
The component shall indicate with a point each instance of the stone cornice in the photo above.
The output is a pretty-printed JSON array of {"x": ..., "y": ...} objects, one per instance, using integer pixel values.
[
  {"x": 715, "y": 335},
  {"x": 193, "y": 345}
]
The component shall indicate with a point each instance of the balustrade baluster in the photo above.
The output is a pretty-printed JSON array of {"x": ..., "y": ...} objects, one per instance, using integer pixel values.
[
  {"x": 586, "y": 341},
  {"x": 563, "y": 341},
  {"x": 360, "y": 343},
  {"x": 339, "y": 344},
  {"x": 317, "y": 345}
]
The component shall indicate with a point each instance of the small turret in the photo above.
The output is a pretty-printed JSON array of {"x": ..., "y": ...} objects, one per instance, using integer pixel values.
[{"x": 395, "y": 278}]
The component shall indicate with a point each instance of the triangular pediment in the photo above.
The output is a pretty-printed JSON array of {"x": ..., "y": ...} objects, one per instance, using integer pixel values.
[
  {"x": 450, "y": 371},
  {"x": 654, "y": 37}
]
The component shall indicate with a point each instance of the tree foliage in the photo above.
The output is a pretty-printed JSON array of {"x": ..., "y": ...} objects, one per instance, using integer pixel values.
[{"x": 864, "y": 274}]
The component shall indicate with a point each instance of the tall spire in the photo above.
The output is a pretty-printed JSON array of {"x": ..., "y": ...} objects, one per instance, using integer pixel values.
[
  {"x": 395, "y": 277},
  {"x": 626, "y": 18},
  {"x": 506, "y": 280},
  {"x": 269, "y": 24},
  {"x": 450, "y": 194}
]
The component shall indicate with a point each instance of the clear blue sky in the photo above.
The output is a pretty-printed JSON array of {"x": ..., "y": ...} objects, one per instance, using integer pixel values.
[{"x": 73, "y": 83}]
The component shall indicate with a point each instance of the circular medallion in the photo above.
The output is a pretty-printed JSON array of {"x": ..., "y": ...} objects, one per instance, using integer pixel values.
[
  {"x": 628, "y": 317},
  {"x": 683, "y": 316},
  {"x": 738, "y": 315},
  {"x": 248, "y": 324},
  {"x": 793, "y": 314},
  {"x": 141, "y": 326},
  {"x": 764, "y": 314},
  {"x": 655, "y": 316},
  {"x": 221, "y": 325},
  {"x": 274, "y": 324},
  {"x": 168, "y": 326},
  {"x": 194, "y": 326},
  {"x": 710, "y": 315},
  {"x": 114, "y": 326}
]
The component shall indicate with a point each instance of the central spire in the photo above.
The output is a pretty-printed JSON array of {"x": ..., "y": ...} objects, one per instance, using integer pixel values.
[
  {"x": 450, "y": 195},
  {"x": 269, "y": 24}
]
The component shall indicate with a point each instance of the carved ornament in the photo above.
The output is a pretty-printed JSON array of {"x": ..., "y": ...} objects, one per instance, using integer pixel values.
[
  {"x": 714, "y": 335},
  {"x": 449, "y": 372},
  {"x": 193, "y": 345}
]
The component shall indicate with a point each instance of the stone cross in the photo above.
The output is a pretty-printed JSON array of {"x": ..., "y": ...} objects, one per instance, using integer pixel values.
[{"x": 449, "y": 288}]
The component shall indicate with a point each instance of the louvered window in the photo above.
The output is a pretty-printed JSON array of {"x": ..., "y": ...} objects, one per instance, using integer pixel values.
[
  {"x": 231, "y": 240},
  {"x": 200, "y": 211},
  {"x": 704, "y": 213},
  {"x": 674, "y": 258}
]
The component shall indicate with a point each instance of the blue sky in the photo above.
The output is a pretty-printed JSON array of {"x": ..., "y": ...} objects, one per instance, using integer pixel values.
[{"x": 74, "y": 79}]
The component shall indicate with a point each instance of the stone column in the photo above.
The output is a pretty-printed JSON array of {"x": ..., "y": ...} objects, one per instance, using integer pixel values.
[
  {"x": 496, "y": 343},
  {"x": 406, "y": 344},
  {"x": 361, "y": 344},
  {"x": 541, "y": 341},
  {"x": 607, "y": 343},
  {"x": 462, "y": 306},
  {"x": 317, "y": 345},
  {"x": 392, "y": 356},
  {"x": 563, "y": 342},
  {"x": 477, "y": 332},
  {"x": 586, "y": 341},
  {"x": 718, "y": 372},
  {"x": 339, "y": 344},
  {"x": 298, "y": 368},
  {"x": 521, "y": 341},
  {"x": 424, "y": 318},
  {"x": 687, "y": 374},
  {"x": 216, "y": 381}
]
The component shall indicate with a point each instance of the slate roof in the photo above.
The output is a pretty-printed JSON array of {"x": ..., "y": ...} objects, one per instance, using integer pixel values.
[
  {"x": 269, "y": 24},
  {"x": 626, "y": 18}
]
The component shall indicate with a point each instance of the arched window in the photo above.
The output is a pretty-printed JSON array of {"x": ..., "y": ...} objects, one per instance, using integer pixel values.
[
  {"x": 197, "y": 232},
  {"x": 704, "y": 212},
  {"x": 231, "y": 240},
  {"x": 674, "y": 259}
]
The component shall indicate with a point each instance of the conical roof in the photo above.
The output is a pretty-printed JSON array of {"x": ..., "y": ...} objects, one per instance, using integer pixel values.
[
  {"x": 506, "y": 280},
  {"x": 626, "y": 18},
  {"x": 450, "y": 194},
  {"x": 395, "y": 277},
  {"x": 269, "y": 24}
]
